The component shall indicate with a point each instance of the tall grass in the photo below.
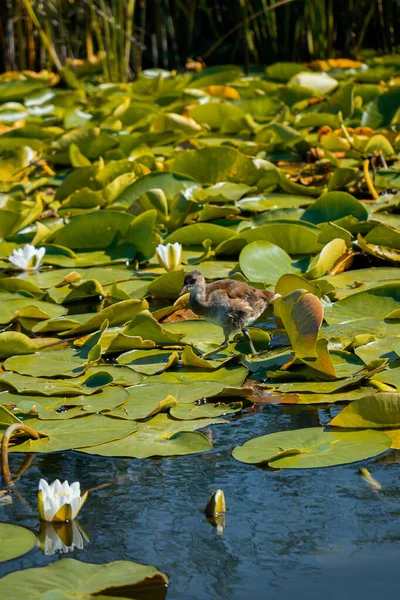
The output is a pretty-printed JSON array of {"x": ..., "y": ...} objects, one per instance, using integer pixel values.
[{"x": 119, "y": 37}]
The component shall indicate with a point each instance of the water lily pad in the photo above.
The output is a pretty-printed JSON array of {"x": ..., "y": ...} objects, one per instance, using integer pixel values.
[
  {"x": 302, "y": 314},
  {"x": 67, "y": 362},
  {"x": 116, "y": 314},
  {"x": 211, "y": 165},
  {"x": 17, "y": 307},
  {"x": 161, "y": 436},
  {"x": 334, "y": 206},
  {"x": 14, "y": 342},
  {"x": 68, "y": 578},
  {"x": 374, "y": 411},
  {"x": 263, "y": 261},
  {"x": 58, "y": 407},
  {"x": 94, "y": 230},
  {"x": 230, "y": 376},
  {"x": 74, "y": 433},
  {"x": 86, "y": 385},
  {"x": 194, "y": 411},
  {"x": 390, "y": 377},
  {"x": 375, "y": 303},
  {"x": 312, "y": 447},
  {"x": 196, "y": 234},
  {"x": 15, "y": 541},
  {"x": 325, "y": 260},
  {"x": 148, "y": 362},
  {"x": 295, "y": 237}
]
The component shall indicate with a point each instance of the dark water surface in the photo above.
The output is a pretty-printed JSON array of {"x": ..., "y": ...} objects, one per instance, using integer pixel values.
[{"x": 308, "y": 534}]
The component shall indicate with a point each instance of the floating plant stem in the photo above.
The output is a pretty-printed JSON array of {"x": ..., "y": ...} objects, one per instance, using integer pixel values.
[{"x": 5, "y": 469}]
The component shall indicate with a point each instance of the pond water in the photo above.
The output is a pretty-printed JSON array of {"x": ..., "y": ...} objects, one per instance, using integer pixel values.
[{"x": 289, "y": 533}]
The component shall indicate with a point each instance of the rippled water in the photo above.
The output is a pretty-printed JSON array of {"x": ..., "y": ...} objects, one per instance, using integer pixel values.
[{"x": 289, "y": 534}]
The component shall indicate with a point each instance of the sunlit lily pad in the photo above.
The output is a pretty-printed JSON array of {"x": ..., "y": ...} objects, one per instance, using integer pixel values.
[
  {"x": 86, "y": 385},
  {"x": 148, "y": 362},
  {"x": 312, "y": 447},
  {"x": 56, "y": 407},
  {"x": 68, "y": 578},
  {"x": 263, "y": 261},
  {"x": 161, "y": 436},
  {"x": 15, "y": 343},
  {"x": 74, "y": 433},
  {"x": 375, "y": 411}
]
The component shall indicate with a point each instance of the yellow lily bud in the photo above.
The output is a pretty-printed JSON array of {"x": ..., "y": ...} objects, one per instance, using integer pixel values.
[{"x": 216, "y": 504}]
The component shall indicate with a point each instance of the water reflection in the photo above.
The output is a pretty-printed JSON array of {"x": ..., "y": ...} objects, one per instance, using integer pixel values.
[{"x": 61, "y": 538}]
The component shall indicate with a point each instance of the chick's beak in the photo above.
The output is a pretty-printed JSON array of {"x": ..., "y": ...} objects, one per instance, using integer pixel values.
[{"x": 184, "y": 290}]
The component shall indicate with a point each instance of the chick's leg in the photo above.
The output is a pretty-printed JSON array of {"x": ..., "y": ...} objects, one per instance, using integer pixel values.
[
  {"x": 221, "y": 347},
  {"x": 248, "y": 337}
]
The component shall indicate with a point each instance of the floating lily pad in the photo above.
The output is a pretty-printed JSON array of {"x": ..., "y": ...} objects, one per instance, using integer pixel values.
[
  {"x": 68, "y": 578},
  {"x": 56, "y": 407},
  {"x": 15, "y": 343},
  {"x": 149, "y": 362},
  {"x": 74, "y": 433},
  {"x": 334, "y": 206},
  {"x": 263, "y": 261},
  {"x": 86, "y": 385},
  {"x": 161, "y": 436},
  {"x": 374, "y": 411},
  {"x": 312, "y": 447},
  {"x": 15, "y": 541}
]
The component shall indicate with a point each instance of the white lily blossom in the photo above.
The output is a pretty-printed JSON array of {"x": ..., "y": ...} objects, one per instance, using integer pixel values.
[
  {"x": 60, "y": 538},
  {"x": 169, "y": 256},
  {"x": 60, "y": 501},
  {"x": 27, "y": 258}
]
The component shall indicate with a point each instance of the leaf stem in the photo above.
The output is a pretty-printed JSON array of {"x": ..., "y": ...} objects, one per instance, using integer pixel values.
[
  {"x": 5, "y": 469},
  {"x": 369, "y": 181}
]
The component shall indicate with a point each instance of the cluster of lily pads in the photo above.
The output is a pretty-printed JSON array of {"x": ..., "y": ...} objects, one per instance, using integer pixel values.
[{"x": 287, "y": 179}]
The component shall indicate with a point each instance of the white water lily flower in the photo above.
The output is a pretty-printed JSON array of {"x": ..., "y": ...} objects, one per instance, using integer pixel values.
[
  {"x": 27, "y": 258},
  {"x": 59, "y": 501},
  {"x": 60, "y": 538},
  {"x": 169, "y": 256}
]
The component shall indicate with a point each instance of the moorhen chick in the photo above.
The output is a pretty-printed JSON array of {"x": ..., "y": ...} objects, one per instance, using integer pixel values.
[{"x": 228, "y": 303}]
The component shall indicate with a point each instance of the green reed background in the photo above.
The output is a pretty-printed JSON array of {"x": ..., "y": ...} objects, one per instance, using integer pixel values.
[{"x": 127, "y": 35}]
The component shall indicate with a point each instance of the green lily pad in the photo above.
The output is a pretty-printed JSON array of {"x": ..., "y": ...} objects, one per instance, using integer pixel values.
[
  {"x": 13, "y": 343},
  {"x": 325, "y": 260},
  {"x": 74, "y": 433},
  {"x": 214, "y": 164},
  {"x": 230, "y": 376},
  {"x": 196, "y": 234},
  {"x": 390, "y": 377},
  {"x": 67, "y": 362},
  {"x": 85, "y": 385},
  {"x": 116, "y": 314},
  {"x": 374, "y": 411},
  {"x": 56, "y": 407},
  {"x": 15, "y": 541},
  {"x": 68, "y": 578},
  {"x": 312, "y": 447},
  {"x": 161, "y": 436},
  {"x": 94, "y": 230},
  {"x": 7, "y": 417},
  {"x": 334, "y": 206},
  {"x": 14, "y": 306},
  {"x": 187, "y": 411},
  {"x": 148, "y": 362},
  {"x": 375, "y": 303},
  {"x": 263, "y": 261}
]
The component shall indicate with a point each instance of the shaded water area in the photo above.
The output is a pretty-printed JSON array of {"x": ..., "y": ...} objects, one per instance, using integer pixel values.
[{"x": 289, "y": 533}]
